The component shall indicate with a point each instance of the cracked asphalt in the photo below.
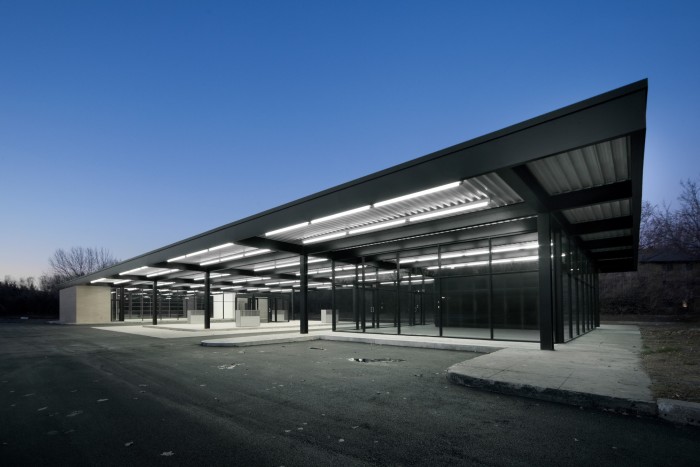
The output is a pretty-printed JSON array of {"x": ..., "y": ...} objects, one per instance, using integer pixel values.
[{"x": 73, "y": 395}]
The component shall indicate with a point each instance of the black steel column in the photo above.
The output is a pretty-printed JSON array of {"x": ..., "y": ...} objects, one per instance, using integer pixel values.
[
  {"x": 558, "y": 290},
  {"x": 207, "y": 300},
  {"x": 121, "y": 303},
  {"x": 334, "y": 317},
  {"x": 544, "y": 238},
  {"x": 363, "y": 299},
  {"x": 154, "y": 303},
  {"x": 355, "y": 312},
  {"x": 490, "y": 301},
  {"x": 398, "y": 294},
  {"x": 439, "y": 288},
  {"x": 304, "y": 295}
]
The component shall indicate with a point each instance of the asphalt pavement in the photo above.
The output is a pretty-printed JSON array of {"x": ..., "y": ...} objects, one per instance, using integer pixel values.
[{"x": 74, "y": 395}]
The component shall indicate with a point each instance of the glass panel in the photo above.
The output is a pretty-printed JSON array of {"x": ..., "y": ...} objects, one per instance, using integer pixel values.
[
  {"x": 466, "y": 307},
  {"x": 515, "y": 306}
]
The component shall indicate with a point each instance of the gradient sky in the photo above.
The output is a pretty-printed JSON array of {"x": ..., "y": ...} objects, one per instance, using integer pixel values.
[{"x": 133, "y": 124}]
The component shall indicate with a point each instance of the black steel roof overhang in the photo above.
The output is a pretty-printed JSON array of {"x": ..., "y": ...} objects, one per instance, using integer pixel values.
[{"x": 617, "y": 113}]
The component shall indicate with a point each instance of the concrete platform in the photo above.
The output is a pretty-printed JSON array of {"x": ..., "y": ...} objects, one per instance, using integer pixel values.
[
  {"x": 174, "y": 330},
  {"x": 602, "y": 369}
]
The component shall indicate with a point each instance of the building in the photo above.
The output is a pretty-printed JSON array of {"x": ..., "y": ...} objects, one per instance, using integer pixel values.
[{"x": 500, "y": 237}]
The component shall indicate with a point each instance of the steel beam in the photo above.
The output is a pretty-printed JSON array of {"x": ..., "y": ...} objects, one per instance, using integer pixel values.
[{"x": 616, "y": 223}]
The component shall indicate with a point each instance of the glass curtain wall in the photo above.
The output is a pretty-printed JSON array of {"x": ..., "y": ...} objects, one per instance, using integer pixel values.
[
  {"x": 484, "y": 289},
  {"x": 576, "y": 290}
]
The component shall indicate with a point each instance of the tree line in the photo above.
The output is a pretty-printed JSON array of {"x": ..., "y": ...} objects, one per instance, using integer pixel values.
[
  {"x": 26, "y": 297},
  {"x": 668, "y": 288}
]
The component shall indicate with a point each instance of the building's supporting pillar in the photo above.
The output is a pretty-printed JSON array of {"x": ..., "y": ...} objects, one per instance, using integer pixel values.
[
  {"x": 154, "y": 303},
  {"x": 596, "y": 296},
  {"x": 363, "y": 299},
  {"x": 438, "y": 288},
  {"x": 207, "y": 300},
  {"x": 544, "y": 238},
  {"x": 121, "y": 303},
  {"x": 398, "y": 294},
  {"x": 335, "y": 318},
  {"x": 355, "y": 309},
  {"x": 304, "y": 294},
  {"x": 558, "y": 290}
]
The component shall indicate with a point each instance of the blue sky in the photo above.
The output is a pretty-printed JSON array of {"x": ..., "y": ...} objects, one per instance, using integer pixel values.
[{"x": 133, "y": 124}]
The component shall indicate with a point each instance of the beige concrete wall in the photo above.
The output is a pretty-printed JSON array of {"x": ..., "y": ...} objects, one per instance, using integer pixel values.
[{"x": 84, "y": 304}]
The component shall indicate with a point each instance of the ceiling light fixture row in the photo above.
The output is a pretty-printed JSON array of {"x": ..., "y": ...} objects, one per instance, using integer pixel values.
[
  {"x": 201, "y": 252},
  {"x": 383, "y": 225}
]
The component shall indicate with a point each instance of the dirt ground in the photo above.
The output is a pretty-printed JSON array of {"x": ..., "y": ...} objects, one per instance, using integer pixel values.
[{"x": 671, "y": 356}]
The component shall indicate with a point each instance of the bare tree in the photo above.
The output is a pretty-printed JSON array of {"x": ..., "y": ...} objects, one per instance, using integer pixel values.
[
  {"x": 689, "y": 216},
  {"x": 79, "y": 261},
  {"x": 677, "y": 229}
]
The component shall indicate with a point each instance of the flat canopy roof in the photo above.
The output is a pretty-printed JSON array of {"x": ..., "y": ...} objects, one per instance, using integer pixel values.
[{"x": 583, "y": 163}]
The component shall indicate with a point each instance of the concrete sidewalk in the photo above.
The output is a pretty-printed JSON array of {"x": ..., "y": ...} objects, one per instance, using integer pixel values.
[{"x": 602, "y": 369}]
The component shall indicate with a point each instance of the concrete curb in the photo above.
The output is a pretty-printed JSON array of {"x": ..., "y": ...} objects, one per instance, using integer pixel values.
[
  {"x": 579, "y": 399},
  {"x": 264, "y": 340},
  {"x": 256, "y": 340},
  {"x": 409, "y": 343},
  {"x": 686, "y": 413}
]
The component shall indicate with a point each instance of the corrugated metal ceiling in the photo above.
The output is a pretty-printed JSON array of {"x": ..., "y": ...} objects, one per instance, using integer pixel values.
[
  {"x": 597, "y": 212},
  {"x": 595, "y": 165}
]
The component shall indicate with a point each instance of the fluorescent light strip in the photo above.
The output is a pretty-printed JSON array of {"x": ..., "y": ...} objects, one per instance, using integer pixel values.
[
  {"x": 165, "y": 283},
  {"x": 418, "y": 259},
  {"x": 133, "y": 270},
  {"x": 255, "y": 252},
  {"x": 515, "y": 247},
  {"x": 214, "y": 248},
  {"x": 458, "y": 254},
  {"x": 450, "y": 211},
  {"x": 417, "y": 194},
  {"x": 381, "y": 225},
  {"x": 221, "y": 260},
  {"x": 197, "y": 253},
  {"x": 196, "y": 286},
  {"x": 250, "y": 279},
  {"x": 286, "y": 229},
  {"x": 101, "y": 279},
  {"x": 162, "y": 272},
  {"x": 324, "y": 237},
  {"x": 211, "y": 276},
  {"x": 177, "y": 259},
  {"x": 122, "y": 281},
  {"x": 340, "y": 214}
]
